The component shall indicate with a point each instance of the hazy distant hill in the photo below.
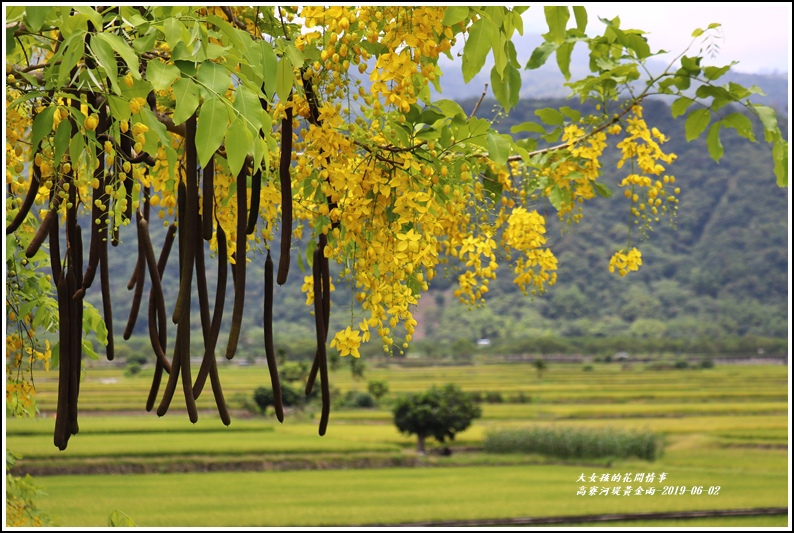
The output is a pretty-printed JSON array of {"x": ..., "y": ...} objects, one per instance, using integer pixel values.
[{"x": 722, "y": 272}]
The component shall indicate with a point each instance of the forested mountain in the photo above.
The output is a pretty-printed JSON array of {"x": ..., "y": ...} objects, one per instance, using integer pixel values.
[{"x": 723, "y": 273}]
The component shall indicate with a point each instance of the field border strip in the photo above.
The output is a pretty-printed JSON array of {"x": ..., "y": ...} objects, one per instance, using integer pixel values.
[{"x": 574, "y": 519}]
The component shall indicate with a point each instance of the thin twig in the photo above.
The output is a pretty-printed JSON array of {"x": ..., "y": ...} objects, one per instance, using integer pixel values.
[
  {"x": 38, "y": 76},
  {"x": 392, "y": 149},
  {"x": 283, "y": 26},
  {"x": 477, "y": 105},
  {"x": 168, "y": 122},
  {"x": 562, "y": 146},
  {"x": 38, "y": 66},
  {"x": 227, "y": 10}
]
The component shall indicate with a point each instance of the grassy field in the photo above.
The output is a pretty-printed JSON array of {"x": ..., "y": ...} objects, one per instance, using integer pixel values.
[
  {"x": 726, "y": 426},
  {"x": 386, "y": 496},
  {"x": 107, "y": 389}
]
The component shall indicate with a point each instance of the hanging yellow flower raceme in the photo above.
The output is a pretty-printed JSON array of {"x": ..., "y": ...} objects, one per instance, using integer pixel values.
[
  {"x": 625, "y": 262},
  {"x": 347, "y": 342}
]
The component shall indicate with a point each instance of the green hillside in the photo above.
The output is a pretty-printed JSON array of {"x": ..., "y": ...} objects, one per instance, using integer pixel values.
[{"x": 721, "y": 273}]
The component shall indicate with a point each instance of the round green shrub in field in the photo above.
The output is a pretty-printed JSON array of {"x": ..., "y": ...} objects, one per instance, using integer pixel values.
[{"x": 132, "y": 369}]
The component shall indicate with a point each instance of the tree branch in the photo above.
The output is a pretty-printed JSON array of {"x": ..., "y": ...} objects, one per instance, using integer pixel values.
[
  {"x": 477, "y": 105},
  {"x": 562, "y": 146},
  {"x": 38, "y": 76},
  {"x": 168, "y": 122},
  {"x": 227, "y": 10},
  {"x": 392, "y": 149},
  {"x": 283, "y": 26}
]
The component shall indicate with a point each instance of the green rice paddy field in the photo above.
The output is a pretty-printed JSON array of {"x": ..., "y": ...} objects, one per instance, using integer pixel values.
[{"x": 724, "y": 427}]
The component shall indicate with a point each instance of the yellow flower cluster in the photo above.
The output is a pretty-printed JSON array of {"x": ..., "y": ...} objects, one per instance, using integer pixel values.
[
  {"x": 643, "y": 144},
  {"x": 21, "y": 355},
  {"x": 625, "y": 262},
  {"x": 18, "y": 123},
  {"x": 651, "y": 197},
  {"x": 525, "y": 233},
  {"x": 574, "y": 170},
  {"x": 413, "y": 37},
  {"x": 476, "y": 253},
  {"x": 18, "y": 350},
  {"x": 347, "y": 342}
]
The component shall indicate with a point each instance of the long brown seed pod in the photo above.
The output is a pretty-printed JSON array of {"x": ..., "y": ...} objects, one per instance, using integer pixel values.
[
  {"x": 156, "y": 300},
  {"x": 77, "y": 331},
  {"x": 208, "y": 364},
  {"x": 233, "y": 268},
  {"x": 156, "y": 378},
  {"x": 206, "y": 327},
  {"x": 49, "y": 219},
  {"x": 223, "y": 410},
  {"x": 181, "y": 197},
  {"x": 41, "y": 233},
  {"x": 141, "y": 262},
  {"x": 62, "y": 434},
  {"x": 201, "y": 286},
  {"x": 157, "y": 338},
  {"x": 204, "y": 308},
  {"x": 176, "y": 360},
  {"x": 204, "y": 304},
  {"x": 27, "y": 203},
  {"x": 256, "y": 192},
  {"x": 319, "y": 323},
  {"x": 104, "y": 279},
  {"x": 55, "y": 249},
  {"x": 217, "y": 316},
  {"x": 77, "y": 255},
  {"x": 98, "y": 232},
  {"x": 139, "y": 277},
  {"x": 239, "y": 279},
  {"x": 73, "y": 354},
  {"x": 133, "y": 282},
  {"x": 188, "y": 224},
  {"x": 256, "y": 182},
  {"x": 74, "y": 252},
  {"x": 184, "y": 361},
  {"x": 313, "y": 373},
  {"x": 208, "y": 198},
  {"x": 170, "y": 386},
  {"x": 326, "y": 280},
  {"x": 286, "y": 196},
  {"x": 269, "y": 351}
]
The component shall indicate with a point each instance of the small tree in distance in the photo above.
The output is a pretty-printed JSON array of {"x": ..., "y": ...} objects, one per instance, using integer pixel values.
[
  {"x": 540, "y": 366},
  {"x": 440, "y": 413},
  {"x": 263, "y": 397},
  {"x": 378, "y": 388}
]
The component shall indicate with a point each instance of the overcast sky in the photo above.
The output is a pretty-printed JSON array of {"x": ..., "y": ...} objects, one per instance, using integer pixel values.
[{"x": 757, "y": 35}]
